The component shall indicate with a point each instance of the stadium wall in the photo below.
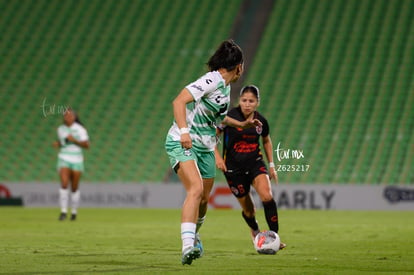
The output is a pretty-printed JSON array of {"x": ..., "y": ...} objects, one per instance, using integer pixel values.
[{"x": 151, "y": 195}]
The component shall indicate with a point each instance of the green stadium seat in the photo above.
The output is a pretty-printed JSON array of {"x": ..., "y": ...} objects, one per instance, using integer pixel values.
[{"x": 336, "y": 81}]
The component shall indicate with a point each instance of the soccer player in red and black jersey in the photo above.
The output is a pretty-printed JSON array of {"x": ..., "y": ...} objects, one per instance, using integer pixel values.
[{"x": 243, "y": 164}]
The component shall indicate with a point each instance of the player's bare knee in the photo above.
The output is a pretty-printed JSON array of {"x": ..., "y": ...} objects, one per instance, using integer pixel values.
[{"x": 196, "y": 193}]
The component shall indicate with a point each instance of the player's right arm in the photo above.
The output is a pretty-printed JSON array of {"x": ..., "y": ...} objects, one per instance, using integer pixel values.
[
  {"x": 248, "y": 123},
  {"x": 220, "y": 163},
  {"x": 80, "y": 143},
  {"x": 180, "y": 116}
]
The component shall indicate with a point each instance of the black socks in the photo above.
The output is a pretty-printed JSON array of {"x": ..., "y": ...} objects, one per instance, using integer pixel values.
[
  {"x": 251, "y": 222},
  {"x": 272, "y": 218}
]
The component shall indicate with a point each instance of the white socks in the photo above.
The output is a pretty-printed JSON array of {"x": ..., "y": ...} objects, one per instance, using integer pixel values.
[
  {"x": 75, "y": 201},
  {"x": 187, "y": 234},
  {"x": 64, "y": 200}
]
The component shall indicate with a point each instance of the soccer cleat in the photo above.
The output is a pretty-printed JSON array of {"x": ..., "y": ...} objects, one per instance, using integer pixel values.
[
  {"x": 282, "y": 245},
  {"x": 198, "y": 244},
  {"x": 62, "y": 216},
  {"x": 73, "y": 217},
  {"x": 189, "y": 254}
]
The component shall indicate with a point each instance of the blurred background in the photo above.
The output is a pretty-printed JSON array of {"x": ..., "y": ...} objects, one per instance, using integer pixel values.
[{"x": 336, "y": 80}]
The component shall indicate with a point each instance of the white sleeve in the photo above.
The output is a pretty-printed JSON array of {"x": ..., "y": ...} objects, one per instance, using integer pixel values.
[
  {"x": 83, "y": 134},
  {"x": 62, "y": 134},
  {"x": 202, "y": 86}
]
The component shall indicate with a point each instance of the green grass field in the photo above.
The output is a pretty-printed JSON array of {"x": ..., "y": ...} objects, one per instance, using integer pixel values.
[{"x": 134, "y": 241}]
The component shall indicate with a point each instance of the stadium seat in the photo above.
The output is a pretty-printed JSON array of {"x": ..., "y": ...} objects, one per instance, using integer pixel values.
[{"x": 335, "y": 79}]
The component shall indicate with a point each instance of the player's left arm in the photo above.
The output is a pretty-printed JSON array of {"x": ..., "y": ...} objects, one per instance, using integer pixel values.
[
  {"x": 268, "y": 148},
  {"x": 83, "y": 144}
]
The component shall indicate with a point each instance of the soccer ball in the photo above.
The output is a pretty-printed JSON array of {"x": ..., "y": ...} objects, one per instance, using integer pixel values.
[{"x": 267, "y": 242}]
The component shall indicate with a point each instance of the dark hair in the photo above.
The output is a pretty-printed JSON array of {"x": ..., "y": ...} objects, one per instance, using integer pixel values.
[
  {"x": 76, "y": 115},
  {"x": 251, "y": 88},
  {"x": 227, "y": 56}
]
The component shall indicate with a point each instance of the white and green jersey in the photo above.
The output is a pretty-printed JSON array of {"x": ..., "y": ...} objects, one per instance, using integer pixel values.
[
  {"x": 211, "y": 101},
  {"x": 69, "y": 151}
]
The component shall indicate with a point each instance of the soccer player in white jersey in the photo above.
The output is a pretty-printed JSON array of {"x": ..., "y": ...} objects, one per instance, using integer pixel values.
[
  {"x": 191, "y": 140},
  {"x": 72, "y": 138}
]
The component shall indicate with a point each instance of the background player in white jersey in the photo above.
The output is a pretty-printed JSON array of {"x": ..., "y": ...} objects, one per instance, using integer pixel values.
[
  {"x": 191, "y": 140},
  {"x": 72, "y": 137}
]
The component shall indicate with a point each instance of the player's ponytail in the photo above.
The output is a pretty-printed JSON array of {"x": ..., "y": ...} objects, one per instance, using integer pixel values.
[
  {"x": 77, "y": 120},
  {"x": 228, "y": 56}
]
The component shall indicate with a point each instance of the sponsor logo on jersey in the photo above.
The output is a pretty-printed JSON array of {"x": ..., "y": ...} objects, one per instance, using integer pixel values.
[
  {"x": 244, "y": 147},
  {"x": 259, "y": 130},
  {"x": 198, "y": 87},
  {"x": 248, "y": 136},
  {"x": 218, "y": 99}
]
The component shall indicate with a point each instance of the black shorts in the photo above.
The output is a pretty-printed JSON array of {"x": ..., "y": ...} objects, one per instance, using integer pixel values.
[{"x": 240, "y": 179}]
